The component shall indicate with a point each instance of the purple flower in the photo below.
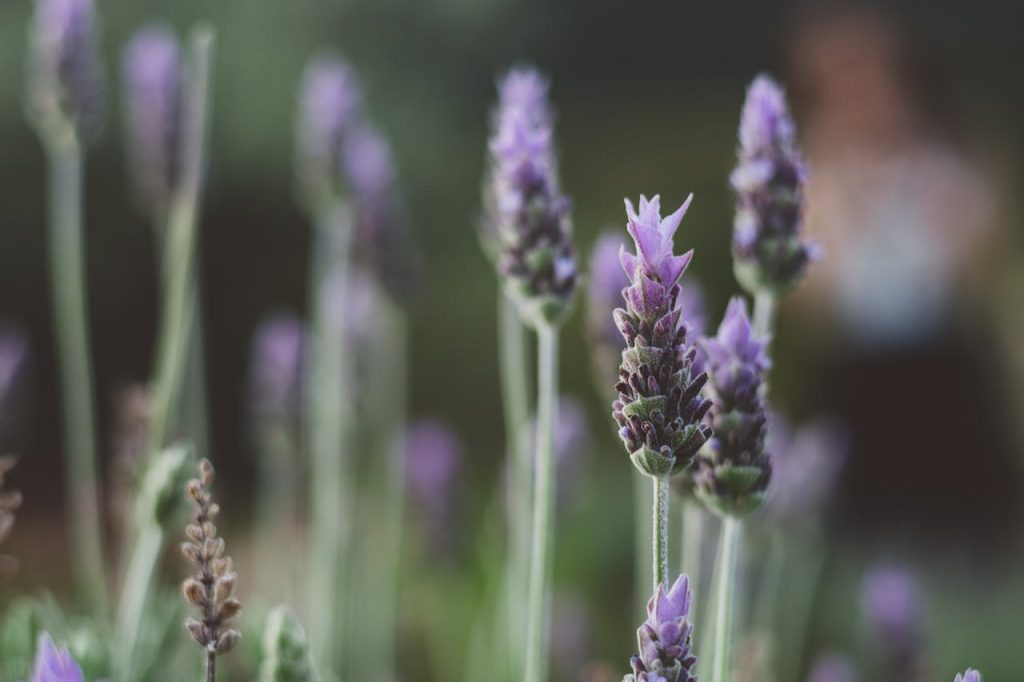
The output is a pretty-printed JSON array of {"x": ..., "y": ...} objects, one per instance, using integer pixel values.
[
  {"x": 152, "y": 87},
  {"x": 433, "y": 462},
  {"x": 65, "y": 81},
  {"x": 659, "y": 408},
  {"x": 806, "y": 464},
  {"x": 276, "y": 367},
  {"x": 330, "y": 103},
  {"x": 665, "y": 638},
  {"x": 526, "y": 223},
  {"x": 733, "y": 471},
  {"x": 769, "y": 183},
  {"x": 969, "y": 675},
  {"x": 893, "y": 611},
  {"x": 832, "y": 668},
  {"x": 53, "y": 664}
]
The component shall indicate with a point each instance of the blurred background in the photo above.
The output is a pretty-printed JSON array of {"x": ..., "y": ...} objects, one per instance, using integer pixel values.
[{"x": 907, "y": 331}]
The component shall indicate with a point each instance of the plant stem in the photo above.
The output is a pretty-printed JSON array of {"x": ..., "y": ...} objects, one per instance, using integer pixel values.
[
  {"x": 659, "y": 532},
  {"x": 515, "y": 388},
  {"x": 694, "y": 523},
  {"x": 543, "y": 492},
  {"x": 67, "y": 268},
  {"x": 725, "y": 573},
  {"x": 138, "y": 583},
  {"x": 764, "y": 312},
  {"x": 329, "y": 414},
  {"x": 211, "y": 666}
]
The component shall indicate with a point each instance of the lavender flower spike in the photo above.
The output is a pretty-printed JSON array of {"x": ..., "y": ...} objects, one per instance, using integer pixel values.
[
  {"x": 969, "y": 675},
  {"x": 660, "y": 408},
  {"x": 65, "y": 82},
  {"x": 769, "y": 183},
  {"x": 665, "y": 638},
  {"x": 152, "y": 87},
  {"x": 53, "y": 664},
  {"x": 526, "y": 226},
  {"x": 734, "y": 470}
]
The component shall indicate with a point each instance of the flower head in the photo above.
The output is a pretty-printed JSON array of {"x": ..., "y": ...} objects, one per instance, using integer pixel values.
[
  {"x": 54, "y": 664},
  {"x": 659, "y": 408},
  {"x": 152, "y": 86},
  {"x": 768, "y": 180},
  {"x": 733, "y": 471},
  {"x": 526, "y": 226},
  {"x": 805, "y": 466},
  {"x": 969, "y": 675},
  {"x": 665, "y": 638},
  {"x": 65, "y": 82},
  {"x": 893, "y": 610},
  {"x": 276, "y": 367}
]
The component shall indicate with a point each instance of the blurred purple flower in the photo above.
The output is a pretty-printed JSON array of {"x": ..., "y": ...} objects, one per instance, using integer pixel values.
[
  {"x": 276, "y": 367},
  {"x": 733, "y": 472},
  {"x": 604, "y": 293},
  {"x": 53, "y": 664},
  {"x": 805, "y": 466},
  {"x": 665, "y": 638},
  {"x": 65, "y": 80},
  {"x": 526, "y": 224},
  {"x": 832, "y": 668},
  {"x": 433, "y": 463},
  {"x": 571, "y": 440},
  {"x": 659, "y": 408},
  {"x": 893, "y": 610},
  {"x": 152, "y": 87},
  {"x": 969, "y": 675},
  {"x": 768, "y": 180}
]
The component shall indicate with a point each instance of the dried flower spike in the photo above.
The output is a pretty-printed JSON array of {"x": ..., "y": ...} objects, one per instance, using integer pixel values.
[
  {"x": 9, "y": 503},
  {"x": 65, "y": 82},
  {"x": 665, "y": 638},
  {"x": 769, "y": 183},
  {"x": 211, "y": 589},
  {"x": 660, "y": 407},
  {"x": 734, "y": 470},
  {"x": 526, "y": 223},
  {"x": 54, "y": 664}
]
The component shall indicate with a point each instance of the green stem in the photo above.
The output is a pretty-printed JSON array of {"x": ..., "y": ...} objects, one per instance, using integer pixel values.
[
  {"x": 808, "y": 569},
  {"x": 328, "y": 428},
  {"x": 764, "y": 312},
  {"x": 514, "y": 367},
  {"x": 131, "y": 613},
  {"x": 67, "y": 268},
  {"x": 538, "y": 593},
  {"x": 694, "y": 525},
  {"x": 725, "y": 574},
  {"x": 659, "y": 532}
]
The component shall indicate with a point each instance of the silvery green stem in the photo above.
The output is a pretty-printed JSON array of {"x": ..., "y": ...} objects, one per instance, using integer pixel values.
[
  {"x": 642, "y": 501},
  {"x": 764, "y": 313},
  {"x": 179, "y": 247},
  {"x": 659, "y": 532},
  {"x": 543, "y": 492},
  {"x": 328, "y": 419},
  {"x": 694, "y": 524},
  {"x": 138, "y": 584},
  {"x": 67, "y": 269},
  {"x": 516, "y": 402},
  {"x": 725, "y": 588},
  {"x": 807, "y": 569}
]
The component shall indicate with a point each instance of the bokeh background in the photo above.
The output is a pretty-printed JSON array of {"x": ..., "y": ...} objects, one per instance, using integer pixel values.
[{"x": 908, "y": 329}]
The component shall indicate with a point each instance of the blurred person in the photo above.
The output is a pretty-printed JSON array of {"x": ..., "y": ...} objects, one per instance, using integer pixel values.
[{"x": 903, "y": 212}]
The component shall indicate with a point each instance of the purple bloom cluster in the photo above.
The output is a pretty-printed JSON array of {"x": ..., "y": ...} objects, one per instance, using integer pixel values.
[
  {"x": 152, "y": 86},
  {"x": 54, "y": 664},
  {"x": 769, "y": 183},
  {"x": 526, "y": 222},
  {"x": 659, "y": 408},
  {"x": 276, "y": 367},
  {"x": 65, "y": 81},
  {"x": 734, "y": 470},
  {"x": 665, "y": 638},
  {"x": 969, "y": 675}
]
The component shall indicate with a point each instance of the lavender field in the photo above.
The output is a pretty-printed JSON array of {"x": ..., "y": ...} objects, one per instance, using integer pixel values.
[{"x": 514, "y": 341}]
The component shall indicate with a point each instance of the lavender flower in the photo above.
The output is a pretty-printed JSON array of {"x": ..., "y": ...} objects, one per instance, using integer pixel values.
[
  {"x": 832, "y": 668},
  {"x": 894, "y": 613},
  {"x": 9, "y": 503},
  {"x": 276, "y": 368},
  {"x": 53, "y": 664},
  {"x": 330, "y": 103},
  {"x": 526, "y": 223},
  {"x": 805, "y": 467},
  {"x": 211, "y": 589},
  {"x": 665, "y": 638},
  {"x": 152, "y": 87},
  {"x": 659, "y": 409},
  {"x": 768, "y": 180},
  {"x": 969, "y": 675},
  {"x": 433, "y": 462},
  {"x": 65, "y": 82},
  {"x": 733, "y": 471}
]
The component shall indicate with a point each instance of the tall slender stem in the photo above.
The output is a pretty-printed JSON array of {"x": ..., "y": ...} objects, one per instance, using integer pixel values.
[
  {"x": 543, "y": 492},
  {"x": 515, "y": 388},
  {"x": 131, "y": 612},
  {"x": 659, "y": 532},
  {"x": 211, "y": 666},
  {"x": 725, "y": 572},
  {"x": 67, "y": 268},
  {"x": 329, "y": 414}
]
